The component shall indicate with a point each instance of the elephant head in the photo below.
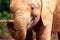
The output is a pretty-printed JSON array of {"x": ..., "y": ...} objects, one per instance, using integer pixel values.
[{"x": 26, "y": 14}]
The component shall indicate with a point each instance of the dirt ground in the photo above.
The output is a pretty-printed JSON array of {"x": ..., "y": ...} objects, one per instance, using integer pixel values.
[{"x": 4, "y": 37}]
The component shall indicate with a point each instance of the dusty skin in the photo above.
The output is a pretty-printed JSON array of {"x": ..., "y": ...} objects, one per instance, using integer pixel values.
[
  {"x": 55, "y": 24},
  {"x": 50, "y": 19},
  {"x": 26, "y": 14}
]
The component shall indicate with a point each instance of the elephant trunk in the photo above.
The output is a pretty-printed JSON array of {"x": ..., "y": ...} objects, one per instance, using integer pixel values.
[{"x": 21, "y": 21}]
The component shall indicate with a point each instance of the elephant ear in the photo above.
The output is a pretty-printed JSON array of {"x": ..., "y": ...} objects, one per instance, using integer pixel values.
[{"x": 48, "y": 8}]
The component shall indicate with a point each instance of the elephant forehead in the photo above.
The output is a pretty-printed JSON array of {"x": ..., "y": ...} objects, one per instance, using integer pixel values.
[
  {"x": 16, "y": 5},
  {"x": 24, "y": 6},
  {"x": 34, "y": 2},
  {"x": 19, "y": 3}
]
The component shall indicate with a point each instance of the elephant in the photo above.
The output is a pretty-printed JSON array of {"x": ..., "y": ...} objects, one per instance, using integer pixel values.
[
  {"x": 25, "y": 13},
  {"x": 29, "y": 15}
]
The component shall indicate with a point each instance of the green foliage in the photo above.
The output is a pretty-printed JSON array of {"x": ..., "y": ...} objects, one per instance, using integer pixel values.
[
  {"x": 4, "y": 5},
  {"x": 4, "y": 9},
  {"x": 4, "y": 14}
]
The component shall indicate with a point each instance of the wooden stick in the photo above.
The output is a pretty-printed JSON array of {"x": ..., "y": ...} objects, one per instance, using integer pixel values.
[{"x": 5, "y": 21}]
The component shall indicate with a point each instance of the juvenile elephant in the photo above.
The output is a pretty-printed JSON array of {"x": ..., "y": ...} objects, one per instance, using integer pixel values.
[{"x": 27, "y": 13}]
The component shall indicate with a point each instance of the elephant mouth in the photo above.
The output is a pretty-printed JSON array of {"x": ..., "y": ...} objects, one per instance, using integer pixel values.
[{"x": 31, "y": 23}]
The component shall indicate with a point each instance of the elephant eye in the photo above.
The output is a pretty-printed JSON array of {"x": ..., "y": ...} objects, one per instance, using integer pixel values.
[
  {"x": 32, "y": 7},
  {"x": 11, "y": 11}
]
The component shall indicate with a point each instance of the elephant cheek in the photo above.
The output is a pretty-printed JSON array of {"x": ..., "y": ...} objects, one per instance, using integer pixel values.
[{"x": 21, "y": 22}]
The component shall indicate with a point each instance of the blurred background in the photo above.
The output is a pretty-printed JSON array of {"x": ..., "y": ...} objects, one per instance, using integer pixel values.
[
  {"x": 4, "y": 15},
  {"x": 4, "y": 9}
]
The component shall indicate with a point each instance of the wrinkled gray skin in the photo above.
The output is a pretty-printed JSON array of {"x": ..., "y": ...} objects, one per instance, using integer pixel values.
[{"x": 26, "y": 14}]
